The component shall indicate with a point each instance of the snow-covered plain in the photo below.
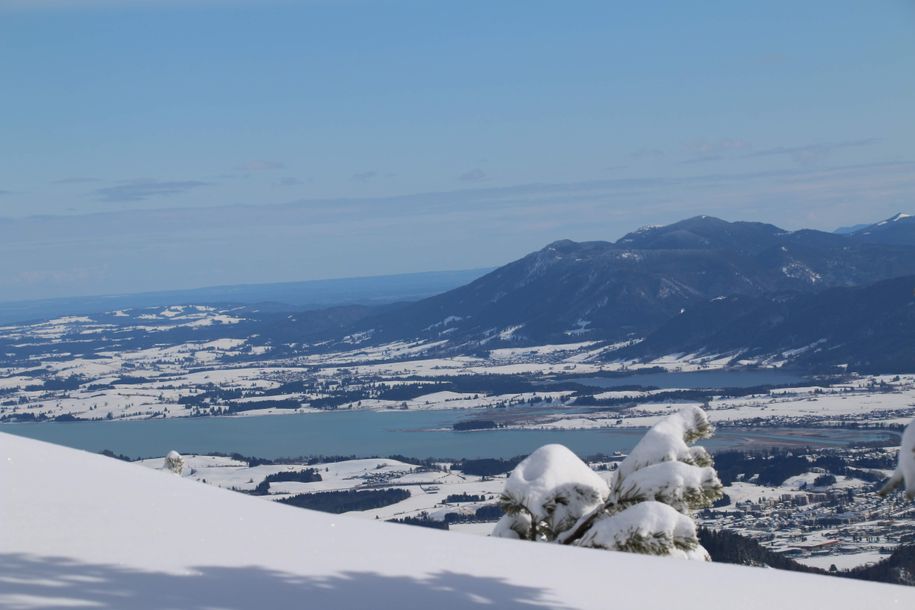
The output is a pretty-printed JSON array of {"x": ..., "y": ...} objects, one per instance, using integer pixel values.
[
  {"x": 135, "y": 366},
  {"x": 82, "y": 530}
]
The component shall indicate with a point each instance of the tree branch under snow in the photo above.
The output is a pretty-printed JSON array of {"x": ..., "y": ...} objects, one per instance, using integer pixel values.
[{"x": 645, "y": 506}]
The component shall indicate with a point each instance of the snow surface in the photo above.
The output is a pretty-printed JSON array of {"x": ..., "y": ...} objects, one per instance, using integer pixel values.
[
  {"x": 549, "y": 473},
  {"x": 666, "y": 441},
  {"x": 654, "y": 522},
  {"x": 82, "y": 530}
]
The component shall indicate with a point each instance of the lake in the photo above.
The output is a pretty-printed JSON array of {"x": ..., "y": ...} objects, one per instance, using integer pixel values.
[{"x": 368, "y": 433}]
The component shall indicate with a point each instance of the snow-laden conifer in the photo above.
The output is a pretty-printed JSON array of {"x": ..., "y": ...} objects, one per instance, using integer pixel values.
[
  {"x": 173, "y": 462},
  {"x": 904, "y": 475},
  {"x": 550, "y": 491},
  {"x": 644, "y": 506}
]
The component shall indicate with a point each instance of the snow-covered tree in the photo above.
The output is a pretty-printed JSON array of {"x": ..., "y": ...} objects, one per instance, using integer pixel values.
[
  {"x": 174, "y": 462},
  {"x": 904, "y": 474},
  {"x": 644, "y": 507}
]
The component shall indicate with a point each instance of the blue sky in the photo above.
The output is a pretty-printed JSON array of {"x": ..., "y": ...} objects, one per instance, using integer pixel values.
[{"x": 169, "y": 144}]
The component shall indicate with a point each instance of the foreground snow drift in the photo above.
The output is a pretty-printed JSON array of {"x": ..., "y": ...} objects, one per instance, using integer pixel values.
[{"x": 78, "y": 529}]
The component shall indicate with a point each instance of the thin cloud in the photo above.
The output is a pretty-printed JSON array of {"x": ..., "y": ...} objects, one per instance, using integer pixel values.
[
  {"x": 288, "y": 181},
  {"x": 705, "y": 151},
  {"x": 646, "y": 153},
  {"x": 807, "y": 154},
  {"x": 722, "y": 146},
  {"x": 139, "y": 190},
  {"x": 75, "y": 180},
  {"x": 810, "y": 153},
  {"x": 364, "y": 177},
  {"x": 260, "y": 165},
  {"x": 474, "y": 175}
]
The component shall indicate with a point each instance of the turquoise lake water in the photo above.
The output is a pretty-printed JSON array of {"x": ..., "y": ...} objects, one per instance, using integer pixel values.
[{"x": 367, "y": 433}]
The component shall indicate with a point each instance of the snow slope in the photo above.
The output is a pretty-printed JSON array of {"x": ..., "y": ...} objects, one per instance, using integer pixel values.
[{"x": 82, "y": 530}]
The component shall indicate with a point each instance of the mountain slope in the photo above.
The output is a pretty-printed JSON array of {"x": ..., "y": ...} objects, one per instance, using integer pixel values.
[
  {"x": 896, "y": 230},
  {"x": 85, "y": 530},
  {"x": 868, "y": 328},
  {"x": 601, "y": 290}
]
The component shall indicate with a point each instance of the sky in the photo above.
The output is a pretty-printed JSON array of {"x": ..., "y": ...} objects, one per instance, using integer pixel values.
[{"x": 161, "y": 144}]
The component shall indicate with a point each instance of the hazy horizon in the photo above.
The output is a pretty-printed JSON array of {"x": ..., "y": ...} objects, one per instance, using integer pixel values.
[{"x": 177, "y": 145}]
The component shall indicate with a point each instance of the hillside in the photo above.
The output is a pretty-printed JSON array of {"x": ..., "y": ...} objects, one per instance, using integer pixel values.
[
  {"x": 869, "y": 328},
  {"x": 83, "y": 529},
  {"x": 610, "y": 291},
  {"x": 899, "y": 230}
]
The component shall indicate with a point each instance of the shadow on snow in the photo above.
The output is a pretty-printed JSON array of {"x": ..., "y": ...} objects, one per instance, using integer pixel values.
[{"x": 28, "y": 581}]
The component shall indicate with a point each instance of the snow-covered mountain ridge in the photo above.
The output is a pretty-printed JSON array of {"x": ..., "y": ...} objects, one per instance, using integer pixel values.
[
  {"x": 83, "y": 530},
  {"x": 613, "y": 291}
]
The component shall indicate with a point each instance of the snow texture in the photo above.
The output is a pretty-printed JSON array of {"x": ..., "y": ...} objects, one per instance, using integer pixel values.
[
  {"x": 555, "y": 486},
  {"x": 667, "y": 441},
  {"x": 515, "y": 525},
  {"x": 682, "y": 486},
  {"x": 83, "y": 530},
  {"x": 650, "y": 528}
]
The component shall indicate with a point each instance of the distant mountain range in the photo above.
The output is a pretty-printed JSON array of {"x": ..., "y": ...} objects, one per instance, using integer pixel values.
[
  {"x": 697, "y": 285},
  {"x": 282, "y": 296},
  {"x": 746, "y": 291}
]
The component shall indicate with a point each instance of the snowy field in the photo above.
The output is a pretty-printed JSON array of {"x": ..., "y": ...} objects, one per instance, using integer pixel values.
[
  {"x": 82, "y": 530},
  {"x": 428, "y": 488},
  {"x": 185, "y": 361},
  {"x": 779, "y": 516}
]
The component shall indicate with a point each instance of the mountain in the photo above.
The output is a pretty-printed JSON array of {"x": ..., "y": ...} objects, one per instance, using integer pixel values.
[
  {"x": 86, "y": 530},
  {"x": 896, "y": 230},
  {"x": 603, "y": 290},
  {"x": 868, "y": 328},
  {"x": 850, "y": 229},
  {"x": 283, "y": 296}
]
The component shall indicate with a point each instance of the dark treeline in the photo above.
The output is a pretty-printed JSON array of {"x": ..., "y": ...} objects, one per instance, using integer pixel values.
[
  {"x": 898, "y": 568},
  {"x": 474, "y": 424},
  {"x": 309, "y": 475},
  {"x": 463, "y": 497},
  {"x": 488, "y": 512},
  {"x": 771, "y": 467},
  {"x": 117, "y": 456},
  {"x": 53, "y": 384},
  {"x": 730, "y": 547},
  {"x": 422, "y": 521},
  {"x": 484, "y": 514},
  {"x": 487, "y": 467},
  {"x": 310, "y": 460},
  {"x": 345, "y": 501},
  {"x": 210, "y": 397},
  {"x": 586, "y": 398}
]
